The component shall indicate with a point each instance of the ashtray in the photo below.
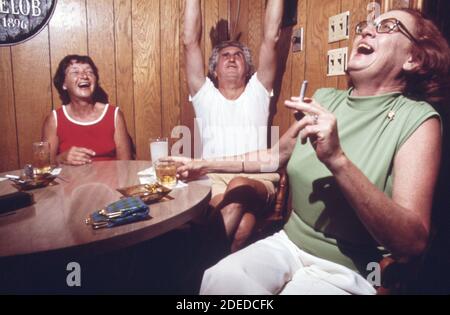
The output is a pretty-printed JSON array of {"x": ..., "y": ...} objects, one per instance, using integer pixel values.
[
  {"x": 147, "y": 192},
  {"x": 23, "y": 182}
]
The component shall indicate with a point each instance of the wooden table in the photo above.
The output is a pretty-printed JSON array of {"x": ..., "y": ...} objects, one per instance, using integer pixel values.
[{"x": 55, "y": 223}]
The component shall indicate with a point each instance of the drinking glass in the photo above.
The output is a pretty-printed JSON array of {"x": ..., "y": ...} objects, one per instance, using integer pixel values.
[
  {"x": 166, "y": 173},
  {"x": 41, "y": 158},
  {"x": 159, "y": 148}
]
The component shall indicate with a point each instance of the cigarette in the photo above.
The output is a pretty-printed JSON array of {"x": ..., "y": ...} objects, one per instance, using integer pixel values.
[
  {"x": 12, "y": 177},
  {"x": 303, "y": 90}
]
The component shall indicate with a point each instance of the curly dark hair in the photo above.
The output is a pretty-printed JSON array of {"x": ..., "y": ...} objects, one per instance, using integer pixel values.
[
  {"x": 60, "y": 75},
  {"x": 430, "y": 81}
]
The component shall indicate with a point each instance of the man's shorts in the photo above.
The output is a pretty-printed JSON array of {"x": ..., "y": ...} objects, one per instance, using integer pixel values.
[{"x": 220, "y": 182}]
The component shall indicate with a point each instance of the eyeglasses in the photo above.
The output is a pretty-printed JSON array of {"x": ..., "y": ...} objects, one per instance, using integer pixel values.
[
  {"x": 81, "y": 73},
  {"x": 386, "y": 26}
]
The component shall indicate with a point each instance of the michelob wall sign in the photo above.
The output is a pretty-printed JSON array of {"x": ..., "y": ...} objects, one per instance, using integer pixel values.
[{"x": 22, "y": 19}]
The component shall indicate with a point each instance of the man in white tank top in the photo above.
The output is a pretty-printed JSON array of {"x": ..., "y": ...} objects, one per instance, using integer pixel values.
[{"x": 232, "y": 112}]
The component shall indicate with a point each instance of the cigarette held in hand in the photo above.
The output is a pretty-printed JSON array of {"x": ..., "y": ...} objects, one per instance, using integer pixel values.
[
  {"x": 303, "y": 90},
  {"x": 299, "y": 115}
]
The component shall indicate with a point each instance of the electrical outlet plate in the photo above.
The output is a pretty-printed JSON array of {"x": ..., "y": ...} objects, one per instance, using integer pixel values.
[
  {"x": 338, "y": 27},
  {"x": 337, "y": 61},
  {"x": 297, "y": 40}
]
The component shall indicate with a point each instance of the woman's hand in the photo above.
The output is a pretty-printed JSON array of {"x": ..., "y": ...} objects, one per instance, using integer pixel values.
[
  {"x": 76, "y": 156},
  {"x": 188, "y": 169},
  {"x": 320, "y": 127}
]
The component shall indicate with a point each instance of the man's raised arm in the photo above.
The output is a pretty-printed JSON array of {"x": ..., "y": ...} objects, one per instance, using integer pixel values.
[
  {"x": 267, "y": 55},
  {"x": 195, "y": 70}
]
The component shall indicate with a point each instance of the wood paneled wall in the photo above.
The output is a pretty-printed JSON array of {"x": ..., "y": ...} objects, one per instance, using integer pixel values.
[
  {"x": 137, "y": 47},
  {"x": 311, "y": 63}
]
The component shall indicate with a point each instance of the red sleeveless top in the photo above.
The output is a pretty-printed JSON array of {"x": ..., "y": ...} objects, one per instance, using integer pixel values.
[{"x": 97, "y": 135}]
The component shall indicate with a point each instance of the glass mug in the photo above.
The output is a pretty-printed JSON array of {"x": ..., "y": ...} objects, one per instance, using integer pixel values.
[
  {"x": 159, "y": 148},
  {"x": 166, "y": 173},
  {"x": 41, "y": 158}
]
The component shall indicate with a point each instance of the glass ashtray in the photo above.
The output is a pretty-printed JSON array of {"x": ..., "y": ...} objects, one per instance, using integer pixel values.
[
  {"x": 24, "y": 183},
  {"x": 147, "y": 192}
]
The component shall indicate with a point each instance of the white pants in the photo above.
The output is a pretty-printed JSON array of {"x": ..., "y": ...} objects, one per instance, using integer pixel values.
[{"x": 275, "y": 265}]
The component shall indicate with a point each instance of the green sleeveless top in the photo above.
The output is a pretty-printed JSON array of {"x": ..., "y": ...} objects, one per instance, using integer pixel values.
[{"x": 371, "y": 131}]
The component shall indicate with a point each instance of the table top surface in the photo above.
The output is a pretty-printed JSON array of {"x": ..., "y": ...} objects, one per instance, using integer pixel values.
[{"x": 56, "y": 221}]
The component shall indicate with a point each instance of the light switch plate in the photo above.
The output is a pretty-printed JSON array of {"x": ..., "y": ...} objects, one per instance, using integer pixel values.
[
  {"x": 338, "y": 27},
  {"x": 337, "y": 61},
  {"x": 297, "y": 40}
]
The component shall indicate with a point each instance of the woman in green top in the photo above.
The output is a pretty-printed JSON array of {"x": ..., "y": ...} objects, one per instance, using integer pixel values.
[{"x": 363, "y": 184}]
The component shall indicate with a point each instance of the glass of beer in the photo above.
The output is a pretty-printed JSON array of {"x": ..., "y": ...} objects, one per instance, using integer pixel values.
[
  {"x": 166, "y": 173},
  {"x": 41, "y": 158}
]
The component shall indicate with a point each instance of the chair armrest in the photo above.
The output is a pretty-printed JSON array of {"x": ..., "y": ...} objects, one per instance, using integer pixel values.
[
  {"x": 397, "y": 276},
  {"x": 278, "y": 215},
  {"x": 280, "y": 210}
]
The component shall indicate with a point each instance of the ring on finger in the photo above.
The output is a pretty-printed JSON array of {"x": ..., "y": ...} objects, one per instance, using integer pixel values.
[{"x": 315, "y": 119}]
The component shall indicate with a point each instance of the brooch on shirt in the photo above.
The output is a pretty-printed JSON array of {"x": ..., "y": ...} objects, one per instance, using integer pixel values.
[{"x": 391, "y": 115}]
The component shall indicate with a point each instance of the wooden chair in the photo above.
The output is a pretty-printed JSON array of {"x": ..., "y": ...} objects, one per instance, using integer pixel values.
[
  {"x": 275, "y": 219},
  {"x": 397, "y": 277}
]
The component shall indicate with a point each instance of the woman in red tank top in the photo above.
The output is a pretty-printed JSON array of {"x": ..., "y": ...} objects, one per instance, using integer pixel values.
[{"x": 86, "y": 128}]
